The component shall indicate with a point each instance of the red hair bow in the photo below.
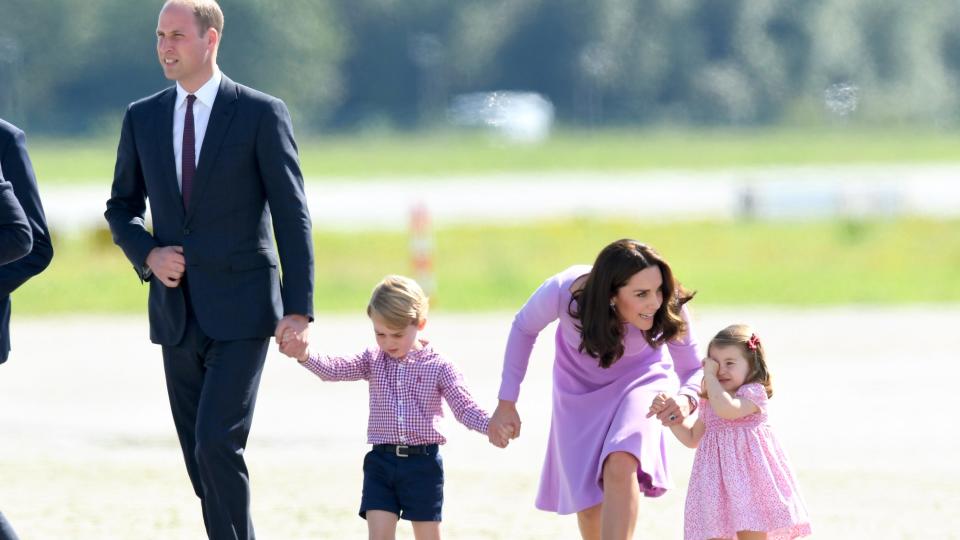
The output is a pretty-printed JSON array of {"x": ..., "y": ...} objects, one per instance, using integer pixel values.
[{"x": 753, "y": 342}]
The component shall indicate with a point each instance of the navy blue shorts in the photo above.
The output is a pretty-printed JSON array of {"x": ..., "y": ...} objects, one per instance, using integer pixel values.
[{"x": 411, "y": 487}]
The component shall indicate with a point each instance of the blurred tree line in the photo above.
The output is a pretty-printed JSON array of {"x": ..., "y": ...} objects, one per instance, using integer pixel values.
[{"x": 71, "y": 66}]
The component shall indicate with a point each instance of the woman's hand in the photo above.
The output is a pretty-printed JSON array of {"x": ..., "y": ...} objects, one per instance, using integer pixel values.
[
  {"x": 670, "y": 410},
  {"x": 504, "y": 424}
]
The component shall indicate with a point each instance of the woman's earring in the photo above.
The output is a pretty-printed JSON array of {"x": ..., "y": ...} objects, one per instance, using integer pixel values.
[{"x": 613, "y": 304}]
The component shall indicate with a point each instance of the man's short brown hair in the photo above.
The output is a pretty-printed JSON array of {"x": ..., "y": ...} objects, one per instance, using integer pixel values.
[{"x": 207, "y": 13}]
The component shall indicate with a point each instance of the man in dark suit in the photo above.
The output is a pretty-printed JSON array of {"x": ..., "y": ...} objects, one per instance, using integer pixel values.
[
  {"x": 218, "y": 164},
  {"x": 16, "y": 168},
  {"x": 25, "y": 248}
]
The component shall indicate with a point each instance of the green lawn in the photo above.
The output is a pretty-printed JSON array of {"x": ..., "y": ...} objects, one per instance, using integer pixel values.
[
  {"x": 495, "y": 268},
  {"x": 454, "y": 153}
]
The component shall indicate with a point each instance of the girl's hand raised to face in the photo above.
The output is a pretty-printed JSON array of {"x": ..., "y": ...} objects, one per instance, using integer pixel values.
[{"x": 710, "y": 366}]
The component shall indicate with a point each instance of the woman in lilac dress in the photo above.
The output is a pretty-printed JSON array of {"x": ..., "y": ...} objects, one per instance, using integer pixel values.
[{"x": 616, "y": 320}]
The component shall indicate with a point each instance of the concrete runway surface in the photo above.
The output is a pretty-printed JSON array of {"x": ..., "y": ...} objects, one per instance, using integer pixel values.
[
  {"x": 854, "y": 191},
  {"x": 864, "y": 403}
]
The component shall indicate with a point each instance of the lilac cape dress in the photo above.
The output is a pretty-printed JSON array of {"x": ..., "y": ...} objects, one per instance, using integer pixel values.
[{"x": 597, "y": 411}]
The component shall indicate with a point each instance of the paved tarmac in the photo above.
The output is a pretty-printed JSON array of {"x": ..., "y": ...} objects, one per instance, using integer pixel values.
[{"x": 864, "y": 405}]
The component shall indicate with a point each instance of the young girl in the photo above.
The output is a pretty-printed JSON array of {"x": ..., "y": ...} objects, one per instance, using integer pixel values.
[
  {"x": 403, "y": 473},
  {"x": 742, "y": 485}
]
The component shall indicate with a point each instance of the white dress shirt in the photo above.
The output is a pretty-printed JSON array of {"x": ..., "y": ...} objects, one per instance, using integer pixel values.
[{"x": 201, "y": 117}]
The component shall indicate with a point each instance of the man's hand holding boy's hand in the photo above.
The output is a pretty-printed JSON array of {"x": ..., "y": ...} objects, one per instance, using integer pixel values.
[{"x": 293, "y": 347}]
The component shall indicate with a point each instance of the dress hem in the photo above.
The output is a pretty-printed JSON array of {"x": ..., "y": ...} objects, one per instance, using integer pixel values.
[{"x": 647, "y": 487}]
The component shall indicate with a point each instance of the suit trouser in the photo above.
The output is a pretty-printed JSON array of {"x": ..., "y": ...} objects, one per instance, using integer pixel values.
[
  {"x": 6, "y": 531},
  {"x": 212, "y": 386}
]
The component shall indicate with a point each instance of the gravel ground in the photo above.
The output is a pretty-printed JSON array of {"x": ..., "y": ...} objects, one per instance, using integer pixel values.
[{"x": 87, "y": 446}]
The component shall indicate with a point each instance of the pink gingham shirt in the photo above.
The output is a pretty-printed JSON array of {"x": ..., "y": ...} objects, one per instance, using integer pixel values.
[{"x": 405, "y": 393}]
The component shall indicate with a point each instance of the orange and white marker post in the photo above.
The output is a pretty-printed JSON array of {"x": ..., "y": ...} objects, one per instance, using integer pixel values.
[{"x": 421, "y": 249}]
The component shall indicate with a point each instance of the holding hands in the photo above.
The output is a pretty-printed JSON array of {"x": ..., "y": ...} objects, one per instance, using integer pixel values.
[
  {"x": 293, "y": 336},
  {"x": 504, "y": 424},
  {"x": 668, "y": 410}
]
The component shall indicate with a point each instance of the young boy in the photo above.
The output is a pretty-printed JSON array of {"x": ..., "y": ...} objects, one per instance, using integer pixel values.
[{"x": 403, "y": 473}]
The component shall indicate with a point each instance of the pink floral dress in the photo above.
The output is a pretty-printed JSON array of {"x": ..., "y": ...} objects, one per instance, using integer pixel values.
[{"x": 742, "y": 479}]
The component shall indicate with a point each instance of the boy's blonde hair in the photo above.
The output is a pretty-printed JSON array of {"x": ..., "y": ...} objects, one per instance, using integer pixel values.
[{"x": 399, "y": 301}]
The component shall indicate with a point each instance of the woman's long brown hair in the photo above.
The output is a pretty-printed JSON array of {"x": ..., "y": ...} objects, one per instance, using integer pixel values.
[{"x": 601, "y": 330}]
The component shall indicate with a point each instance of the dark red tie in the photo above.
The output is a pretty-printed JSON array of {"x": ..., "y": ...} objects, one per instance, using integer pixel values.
[{"x": 188, "y": 162}]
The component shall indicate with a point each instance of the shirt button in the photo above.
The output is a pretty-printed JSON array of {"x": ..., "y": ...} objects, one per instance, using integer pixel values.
[{"x": 186, "y": 231}]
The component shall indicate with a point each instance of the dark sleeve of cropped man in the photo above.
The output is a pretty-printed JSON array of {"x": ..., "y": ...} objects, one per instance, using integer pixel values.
[
  {"x": 18, "y": 172},
  {"x": 15, "y": 238}
]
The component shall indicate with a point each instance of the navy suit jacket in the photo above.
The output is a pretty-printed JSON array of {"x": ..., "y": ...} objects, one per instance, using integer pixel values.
[
  {"x": 15, "y": 237},
  {"x": 17, "y": 170},
  {"x": 248, "y": 177}
]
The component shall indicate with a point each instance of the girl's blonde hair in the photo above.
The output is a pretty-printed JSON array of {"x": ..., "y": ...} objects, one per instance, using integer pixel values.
[
  {"x": 743, "y": 336},
  {"x": 399, "y": 301}
]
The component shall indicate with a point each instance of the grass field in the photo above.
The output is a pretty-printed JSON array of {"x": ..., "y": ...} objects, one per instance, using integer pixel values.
[
  {"x": 491, "y": 267},
  {"x": 439, "y": 154}
]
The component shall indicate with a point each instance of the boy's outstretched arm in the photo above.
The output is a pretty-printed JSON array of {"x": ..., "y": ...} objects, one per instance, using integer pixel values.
[
  {"x": 464, "y": 407},
  {"x": 337, "y": 368}
]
